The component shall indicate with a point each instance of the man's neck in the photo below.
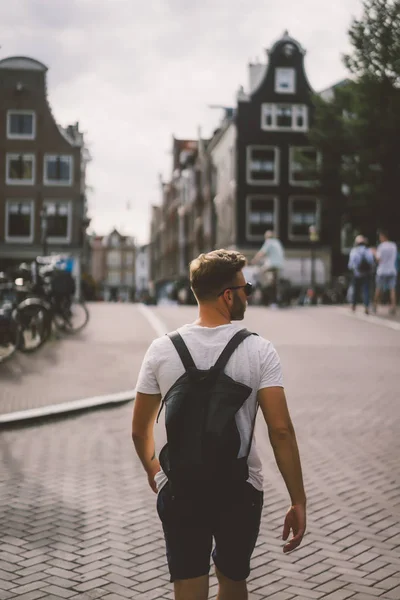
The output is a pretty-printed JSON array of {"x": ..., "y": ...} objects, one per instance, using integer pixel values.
[{"x": 211, "y": 317}]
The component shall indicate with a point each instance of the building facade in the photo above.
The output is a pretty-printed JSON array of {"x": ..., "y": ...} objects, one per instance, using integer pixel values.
[
  {"x": 113, "y": 266},
  {"x": 258, "y": 172},
  {"x": 273, "y": 176},
  {"x": 42, "y": 170},
  {"x": 142, "y": 273}
]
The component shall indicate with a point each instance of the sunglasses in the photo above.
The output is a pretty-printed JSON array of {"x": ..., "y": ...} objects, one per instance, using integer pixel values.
[{"x": 248, "y": 289}]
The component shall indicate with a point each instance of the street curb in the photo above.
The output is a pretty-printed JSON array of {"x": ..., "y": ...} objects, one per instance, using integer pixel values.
[
  {"x": 373, "y": 319},
  {"x": 66, "y": 408}
]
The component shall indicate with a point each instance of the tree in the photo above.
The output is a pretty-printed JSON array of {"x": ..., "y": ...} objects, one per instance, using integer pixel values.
[{"x": 358, "y": 130}]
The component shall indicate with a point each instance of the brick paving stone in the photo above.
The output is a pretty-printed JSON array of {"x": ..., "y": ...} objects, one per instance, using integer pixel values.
[
  {"x": 36, "y": 595},
  {"x": 79, "y": 515},
  {"x": 368, "y": 591},
  {"x": 340, "y": 595},
  {"x": 108, "y": 333}
]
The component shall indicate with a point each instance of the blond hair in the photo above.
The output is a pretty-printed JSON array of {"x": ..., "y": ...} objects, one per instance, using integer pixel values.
[{"x": 211, "y": 273}]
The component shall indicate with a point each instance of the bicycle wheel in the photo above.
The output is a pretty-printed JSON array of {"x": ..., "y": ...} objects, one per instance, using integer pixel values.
[
  {"x": 9, "y": 341},
  {"x": 75, "y": 316},
  {"x": 35, "y": 326}
]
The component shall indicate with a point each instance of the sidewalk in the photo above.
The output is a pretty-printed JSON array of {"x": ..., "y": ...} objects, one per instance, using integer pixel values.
[
  {"x": 102, "y": 360},
  {"x": 78, "y": 520}
]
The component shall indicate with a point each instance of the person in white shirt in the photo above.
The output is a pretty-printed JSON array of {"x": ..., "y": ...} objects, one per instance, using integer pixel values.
[
  {"x": 386, "y": 273},
  {"x": 272, "y": 254},
  {"x": 232, "y": 519}
]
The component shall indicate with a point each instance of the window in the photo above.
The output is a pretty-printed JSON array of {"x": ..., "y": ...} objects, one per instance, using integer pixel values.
[
  {"x": 289, "y": 117},
  {"x": 114, "y": 278},
  {"x": 57, "y": 170},
  {"x": 114, "y": 259},
  {"x": 303, "y": 212},
  {"x": 21, "y": 125},
  {"x": 58, "y": 220},
  {"x": 261, "y": 215},
  {"x": 19, "y": 221},
  {"x": 285, "y": 81},
  {"x": 20, "y": 169},
  {"x": 262, "y": 165},
  {"x": 304, "y": 164},
  {"x": 129, "y": 259},
  {"x": 129, "y": 279}
]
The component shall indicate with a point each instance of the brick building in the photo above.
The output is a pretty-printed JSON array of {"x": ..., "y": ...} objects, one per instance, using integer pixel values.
[
  {"x": 42, "y": 170},
  {"x": 113, "y": 259},
  {"x": 257, "y": 172}
]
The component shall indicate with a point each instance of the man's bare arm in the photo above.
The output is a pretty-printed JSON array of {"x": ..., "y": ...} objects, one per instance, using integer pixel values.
[
  {"x": 283, "y": 440},
  {"x": 261, "y": 254},
  {"x": 145, "y": 411}
]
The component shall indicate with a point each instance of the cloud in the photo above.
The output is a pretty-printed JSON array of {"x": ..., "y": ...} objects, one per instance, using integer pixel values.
[{"x": 133, "y": 73}]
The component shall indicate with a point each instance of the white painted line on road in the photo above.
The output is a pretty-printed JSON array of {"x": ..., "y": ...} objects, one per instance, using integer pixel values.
[
  {"x": 371, "y": 319},
  {"x": 158, "y": 325},
  {"x": 67, "y": 407}
]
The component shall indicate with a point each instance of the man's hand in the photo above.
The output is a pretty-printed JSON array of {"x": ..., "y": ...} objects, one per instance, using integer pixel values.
[
  {"x": 151, "y": 474},
  {"x": 295, "y": 521}
]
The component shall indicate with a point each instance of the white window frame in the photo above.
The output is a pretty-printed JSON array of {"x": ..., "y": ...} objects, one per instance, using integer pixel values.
[
  {"x": 249, "y": 198},
  {"x": 20, "y": 240},
  {"x": 111, "y": 265},
  {"x": 21, "y": 136},
  {"x": 292, "y": 200},
  {"x": 292, "y": 151},
  {"x": 262, "y": 182},
  {"x": 12, "y": 156},
  {"x": 267, "y": 108},
  {"x": 59, "y": 240},
  {"x": 278, "y": 72},
  {"x": 56, "y": 182}
]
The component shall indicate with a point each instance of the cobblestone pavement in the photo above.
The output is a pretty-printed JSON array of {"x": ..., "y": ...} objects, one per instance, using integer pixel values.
[
  {"x": 77, "y": 519},
  {"x": 102, "y": 359}
]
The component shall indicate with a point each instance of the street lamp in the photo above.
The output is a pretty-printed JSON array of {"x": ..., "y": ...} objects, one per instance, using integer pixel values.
[
  {"x": 43, "y": 217},
  {"x": 314, "y": 238}
]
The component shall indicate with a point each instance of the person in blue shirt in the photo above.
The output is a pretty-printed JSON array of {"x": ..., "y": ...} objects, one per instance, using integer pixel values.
[{"x": 361, "y": 263}]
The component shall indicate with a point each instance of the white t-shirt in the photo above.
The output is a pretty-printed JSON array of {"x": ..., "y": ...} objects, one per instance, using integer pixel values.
[
  {"x": 255, "y": 363},
  {"x": 387, "y": 255}
]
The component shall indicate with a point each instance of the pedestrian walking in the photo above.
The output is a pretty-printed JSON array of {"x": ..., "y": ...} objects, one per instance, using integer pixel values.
[
  {"x": 205, "y": 382},
  {"x": 386, "y": 273},
  {"x": 361, "y": 264},
  {"x": 272, "y": 255}
]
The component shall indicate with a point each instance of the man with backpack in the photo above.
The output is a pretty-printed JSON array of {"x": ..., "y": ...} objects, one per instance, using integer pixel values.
[
  {"x": 361, "y": 262},
  {"x": 205, "y": 383}
]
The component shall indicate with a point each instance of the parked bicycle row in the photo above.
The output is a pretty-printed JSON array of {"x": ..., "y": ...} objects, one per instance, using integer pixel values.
[{"x": 35, "y": 300}]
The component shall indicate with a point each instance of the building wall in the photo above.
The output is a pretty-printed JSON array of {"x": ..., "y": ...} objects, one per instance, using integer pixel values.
[
  {"x": 23, "y": 87},
  {"x": 142, "y": 270},
  {"x": 251, "y": 134},
  {"x": 223, "y": 156}
]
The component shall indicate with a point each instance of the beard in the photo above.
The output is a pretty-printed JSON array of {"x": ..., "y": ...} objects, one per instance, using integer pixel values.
[{"x": 238, "y": 309}]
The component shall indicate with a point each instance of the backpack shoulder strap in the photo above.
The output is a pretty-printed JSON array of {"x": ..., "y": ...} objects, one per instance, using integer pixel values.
[
  {"x": 182, "y": 350},
  {"x": 230, "y": 348}
]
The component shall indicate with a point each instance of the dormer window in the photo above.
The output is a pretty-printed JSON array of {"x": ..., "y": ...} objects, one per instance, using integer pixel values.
[
  {"x": 21, "y": 125},
  {"x": 285, "y": 81},
  {"x": 284, "y": 117}
]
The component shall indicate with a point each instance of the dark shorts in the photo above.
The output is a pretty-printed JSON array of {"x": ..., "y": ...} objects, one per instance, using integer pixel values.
[
  {"x": 386, "y": 282},
  {"x": 191, "y": 522}
]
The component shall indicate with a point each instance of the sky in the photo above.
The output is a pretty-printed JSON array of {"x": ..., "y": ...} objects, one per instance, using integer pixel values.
[{"x": 136, "y": 73}]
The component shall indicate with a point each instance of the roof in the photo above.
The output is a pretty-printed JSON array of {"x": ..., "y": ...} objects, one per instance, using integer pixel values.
[
  {"x": 22, "y": 63},
  {"x": 287, "y": 39}
]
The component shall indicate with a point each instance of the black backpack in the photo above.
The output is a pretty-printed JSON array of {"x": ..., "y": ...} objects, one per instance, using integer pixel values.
[
  {"x": 203, "y": 441},
  {"x": 364, "y": 266}
]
